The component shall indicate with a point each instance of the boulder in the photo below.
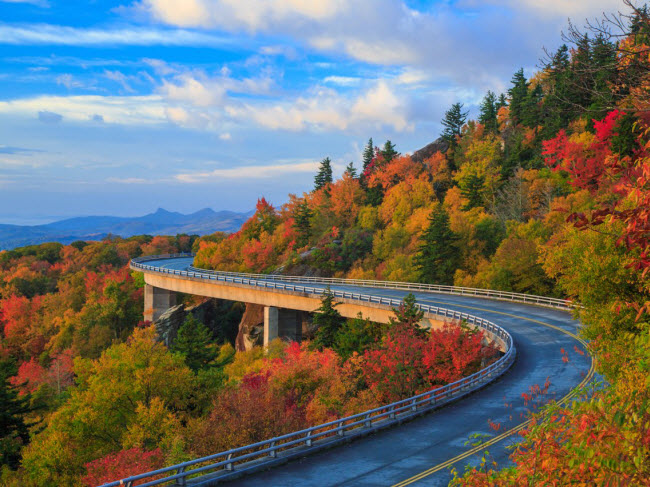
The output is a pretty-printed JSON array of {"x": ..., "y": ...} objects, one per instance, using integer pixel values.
[{"x": 251, "y": 328}]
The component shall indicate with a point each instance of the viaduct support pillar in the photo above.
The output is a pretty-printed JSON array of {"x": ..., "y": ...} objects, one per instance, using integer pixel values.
[
  {"x": 271, "y": 323},
  {"x": 157, "y": 301},
  {"x": 283, "y": 323}
]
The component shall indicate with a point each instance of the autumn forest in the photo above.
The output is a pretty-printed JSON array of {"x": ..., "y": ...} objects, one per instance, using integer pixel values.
[{"x": 546, "y": 191}]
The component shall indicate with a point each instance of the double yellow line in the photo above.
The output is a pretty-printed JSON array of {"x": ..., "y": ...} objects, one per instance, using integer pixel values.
[{"x": 517, "y": 428}]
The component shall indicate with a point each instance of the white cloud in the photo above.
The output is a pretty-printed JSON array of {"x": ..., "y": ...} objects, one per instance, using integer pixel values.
[
  {"x": 200, "y": 90},
  {"x": 464, "y": 43},
  {"x": 576, "y": 9},
  {"x": 161, "y": 67},
  {"x": 286, "y": 51},
  {"x": 382, "y": 106},
  {"x": 343, "y": 80},
  {"x": 30, "y": 34},
  {"x": 131, "y": 181},
  {"x": 38, "y": 3},
  {"x": 119, "y": 78},
  {"x": 375, "y": 50},
  {"x": 413, "y": 76},
  {"x": 248, "y": 172},
  {"x": 68, "y": 81},
  {"x": 193, "y": 91},
  {"x": 225, "y": 136},
  {"x": 127, "y": 110},
  {"x": 327, "y": 109},
  {"x": 252, "y": 15}
]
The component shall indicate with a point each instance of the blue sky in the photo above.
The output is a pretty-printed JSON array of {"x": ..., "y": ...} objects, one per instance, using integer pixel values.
[{"x": 121, "y": 107}]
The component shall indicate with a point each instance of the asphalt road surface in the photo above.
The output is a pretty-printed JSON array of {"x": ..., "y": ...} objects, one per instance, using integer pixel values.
[{"x": 423, "y": 451}]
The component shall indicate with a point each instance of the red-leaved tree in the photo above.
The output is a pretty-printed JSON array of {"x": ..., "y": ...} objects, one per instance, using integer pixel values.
[{"x": 125, "y": 463}]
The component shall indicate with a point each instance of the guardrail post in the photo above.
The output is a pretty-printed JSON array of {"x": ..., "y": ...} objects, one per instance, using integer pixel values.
[
  {"x": 340, "y": 432},
  {"x": 273, "y": 453},
  {"x": 368, "y": 422},
  {"x": 413, "y": 405},
  {"x": 308, "y": 440},
  {"x": 183, "y": 480},
  {"x": 229, "y": 466},
  {"x": 391, "y": 414}
]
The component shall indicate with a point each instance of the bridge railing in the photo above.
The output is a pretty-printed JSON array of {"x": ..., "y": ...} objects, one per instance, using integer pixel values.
[
  {"x": 565, "y": 304},
  {"x": 274, "y": 450}
]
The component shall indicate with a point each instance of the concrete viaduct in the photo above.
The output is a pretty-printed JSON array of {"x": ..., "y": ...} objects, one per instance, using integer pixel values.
[
  {"x": 419, "y": 451},
  {"x": 280, "y": 303}
]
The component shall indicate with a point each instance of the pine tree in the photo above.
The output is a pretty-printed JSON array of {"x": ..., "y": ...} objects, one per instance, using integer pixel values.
[
  {"x": 350, "y": 170},
  {"x": 328, "y": 321},
  {"x": 502, "y": 102},
  {"x": 408, "y": 313},
  {"x": 488, "y": 114},
  {"x": 518, "y": 94},
  {"x": 438, "y": 255},
  {"x": 472, "y": 189},
  {"x": 302, "y": 223},
  {"x": 388, "y": 152},
  {"x": 603, "y": 55},
  {"x": 194, "y": 342},
  {"x": 357, "y": 335},
  {"x": 13, "y": 430},
  {"x": 531, "y": 113},
  {"x": 556, "y": 109},
  {"x": 453, "y": 122},
  {"x": 368, "y": 154},
  {"x": 324, "y": 175}
]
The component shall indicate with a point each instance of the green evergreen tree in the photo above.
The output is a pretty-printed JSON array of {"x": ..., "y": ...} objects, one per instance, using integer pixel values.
[
  {"x": 472, "y": 189},
  {"x": 324, "y": 175},
  {"x": 488, "y": 112},
  {"x": 14, "y": 431},
  {"x": 502, "y": 102},
  {"x": 302, "y": 223},
  {"x": 350, "y": 170},
  {"x": 556, "y": 108},
  {"x": 518, "y": 95},
  {"x": 375, "y": 195},
  {"x": 453, "y": 122},
  {"x": 438, "y": 255},
  {"x": 368, "y": 154},
  {"x": 357, "y": 335},
  {"x": 408, "y": 313},
  {"x": 626, "y": 139},
  {"x": 388, "y": 152},
  {"x": 531, "y": 114},
  {"x": 603, "y": 56},
  {"x": 194, "y": 342},
  {"x": 328, "y": 321},
  {"x": 580, "y": 82}
]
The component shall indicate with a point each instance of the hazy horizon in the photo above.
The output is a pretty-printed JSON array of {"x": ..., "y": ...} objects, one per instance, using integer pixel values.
[{"x": 45, "y": 219}]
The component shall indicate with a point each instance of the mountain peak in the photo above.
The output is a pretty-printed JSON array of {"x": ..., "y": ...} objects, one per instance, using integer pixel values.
[{"x": 204, "y": 212}]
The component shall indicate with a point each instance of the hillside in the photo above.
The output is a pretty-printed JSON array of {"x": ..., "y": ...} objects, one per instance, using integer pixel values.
[
  {"x": 161, "y": 222},
  {"x": 545, "y": 192}
]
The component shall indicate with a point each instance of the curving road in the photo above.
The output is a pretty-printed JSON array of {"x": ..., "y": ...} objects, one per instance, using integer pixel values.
[{"x": 422, "y": 451}]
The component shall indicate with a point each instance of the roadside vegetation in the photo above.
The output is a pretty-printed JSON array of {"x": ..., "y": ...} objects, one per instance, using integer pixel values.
[{"x": 546, "y": 191}]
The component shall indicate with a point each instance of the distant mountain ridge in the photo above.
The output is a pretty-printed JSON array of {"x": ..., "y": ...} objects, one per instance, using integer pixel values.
[{"x": 161, "y": 222}]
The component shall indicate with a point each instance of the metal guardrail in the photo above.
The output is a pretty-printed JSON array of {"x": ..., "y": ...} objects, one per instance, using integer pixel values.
[
  {"x": 225, "y": 464},
  {"x": 565, "y": 304}
]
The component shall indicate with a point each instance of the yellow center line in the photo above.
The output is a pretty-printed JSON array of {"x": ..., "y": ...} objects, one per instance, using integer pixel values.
[{"x": 517, "y": 428}]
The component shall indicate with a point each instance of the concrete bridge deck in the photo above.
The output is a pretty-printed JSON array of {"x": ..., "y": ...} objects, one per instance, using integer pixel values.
[{"x": 422, "y": 451}]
